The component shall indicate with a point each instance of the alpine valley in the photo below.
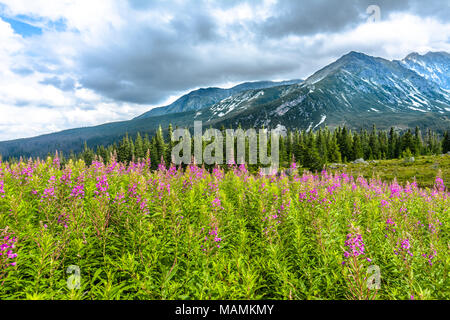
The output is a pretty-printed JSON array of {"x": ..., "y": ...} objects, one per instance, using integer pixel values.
[{"x": 357, "y": 91}]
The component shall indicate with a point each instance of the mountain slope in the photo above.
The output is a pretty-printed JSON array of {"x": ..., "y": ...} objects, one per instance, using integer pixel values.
[
  {"x": 434, "y": 66},
  {"x": 353, "y": 88},
  {"x": 205, "y": 97},
  {"x": 72, "y": 140},
  {"x": 356, "y": 90}
]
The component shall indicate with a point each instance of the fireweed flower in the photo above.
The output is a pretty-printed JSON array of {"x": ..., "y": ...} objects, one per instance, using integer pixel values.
[
  {"x": 27, "y": 173},
  {"x": 77, "y": 192},
  {"x": 439, "y": 184},
  {"x": 102, "y": 186},
  {"x": 402, "y": 248},
  {"x": 354, "y": 247},
  {"x": 395, "y": 189},
  {"x": 172, "y": 171},
  {"x": 384, "y": 204},
  {"x": 7, "y": 255},
  {"x": 302, "y": 196},
  {"x": 390, "y": 225},
  {"x": 242, "y": 168},
  {"x": 64, "y": 220},
  {"x": 2, "y": 189},
  {"x": 163, "y": 187},
  {"x": 430, "y": 257},
  {"x": 120, "y": 198},
  {"x": 66, "y": 177},
  {"x": 216, "y": 204},
  {"x": 212, "y": 239},
  {"x": 271, "y": 222},
  {"x": 140, "y": 201},
  {"x": 162, "y": 167},
  {"x": 313, "y": 194},
  {"x": 218, "y": 173},
  {"x": 56, "y": 162},
  {"x": 49, "y": 193}
]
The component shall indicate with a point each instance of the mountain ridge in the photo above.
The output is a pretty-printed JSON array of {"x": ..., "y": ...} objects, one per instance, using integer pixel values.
[
  {"x": 204, "y": 97},
  {"x": 356, "y": 90},
  {"x": 354, "y": 84}
]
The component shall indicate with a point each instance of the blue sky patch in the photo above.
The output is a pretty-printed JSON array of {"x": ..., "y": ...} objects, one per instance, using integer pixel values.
[
  {"x": 28, "y": 26},
  {"x": 22, "y": 28}
]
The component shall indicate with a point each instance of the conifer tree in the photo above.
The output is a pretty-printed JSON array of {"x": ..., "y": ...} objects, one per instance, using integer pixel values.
[
  {"x": 139, "y": 151},
  {"x": 169, "y": 146},
  {"x": 417, "y": 142},
  {"x": 88, "y": 155},
  {"x": 357, "y": 147},
  {"x": 446, "y": 142},
  {"x": 334, "y": 154}
]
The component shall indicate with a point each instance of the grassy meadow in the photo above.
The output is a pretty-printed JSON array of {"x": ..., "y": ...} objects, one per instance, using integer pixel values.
[{"x": 127, "y": 232}]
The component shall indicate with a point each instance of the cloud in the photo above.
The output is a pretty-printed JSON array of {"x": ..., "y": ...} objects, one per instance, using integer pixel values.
[
  {"x": 65, "y": 84},
  {"x": 105, "y": 60}
]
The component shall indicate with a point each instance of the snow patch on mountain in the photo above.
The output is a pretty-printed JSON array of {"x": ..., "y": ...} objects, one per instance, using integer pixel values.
[
  {"x": 285, "y": 107},
  {"x": 321, "y": 121},
  {"x": 416, "y": 109}
]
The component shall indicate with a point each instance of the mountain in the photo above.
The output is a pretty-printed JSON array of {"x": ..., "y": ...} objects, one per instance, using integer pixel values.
[
  {"x": 356, "y": 90},
  {"x": 72, "y": 140},
  {"x": 205, "y": 97},
  {"x": 434, "y": 66}
]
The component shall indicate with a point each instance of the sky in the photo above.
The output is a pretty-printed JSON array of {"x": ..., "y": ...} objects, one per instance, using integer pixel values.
[{"x": 77, "y": 63}]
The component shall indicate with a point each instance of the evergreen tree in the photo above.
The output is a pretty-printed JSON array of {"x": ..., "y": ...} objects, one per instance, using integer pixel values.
[
  {"x": 154, "y": 156},
  {"x": 446, "y": 142},
  {"x": 334, "y": 155},
  {"x": 357, "y": 147},
  {"x": 139, "y": 150},
  {"x": 407, "y": 141},
  {"x": 160, "y": 144},
  {"x": 124, "y": 153},
  {"x": 88, "y": 155},
  {"x": 169, "y": 146},
  {"x": 383, "y": 144},
  {"x": 321, "y": 144},
  {"x": 312, "y": 159},
  {"x": 345, "y": 144},
  {"x": 374, "y": 144},
  {"x": 417, "y": 142},
  {"x": 102, "y": 153}
]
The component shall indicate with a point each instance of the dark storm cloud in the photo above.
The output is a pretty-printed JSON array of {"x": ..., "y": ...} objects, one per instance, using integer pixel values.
[
  {"x": 149, "y": 62},
  {"x": 309, "y": 17},
  {"x": 153, "y": 62}
]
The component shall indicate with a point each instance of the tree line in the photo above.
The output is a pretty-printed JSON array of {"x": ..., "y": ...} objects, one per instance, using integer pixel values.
[{"x": 310, "y": 149}]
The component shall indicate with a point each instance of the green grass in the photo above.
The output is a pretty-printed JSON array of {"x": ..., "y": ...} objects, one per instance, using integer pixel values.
[
  {"x": 424, "y": 169},
  {"x": 143, "y": 235}
]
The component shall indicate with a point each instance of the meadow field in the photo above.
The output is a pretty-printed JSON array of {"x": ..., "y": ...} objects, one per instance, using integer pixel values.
[
  {"x": 110, "y": 231},
  {"x": 424, "y": 169}
]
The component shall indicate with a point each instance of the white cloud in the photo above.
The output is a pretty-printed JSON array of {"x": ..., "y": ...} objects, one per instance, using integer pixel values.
[
  {"x": 394, "y": 38},
  {"x": 114, "y": 52}
]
